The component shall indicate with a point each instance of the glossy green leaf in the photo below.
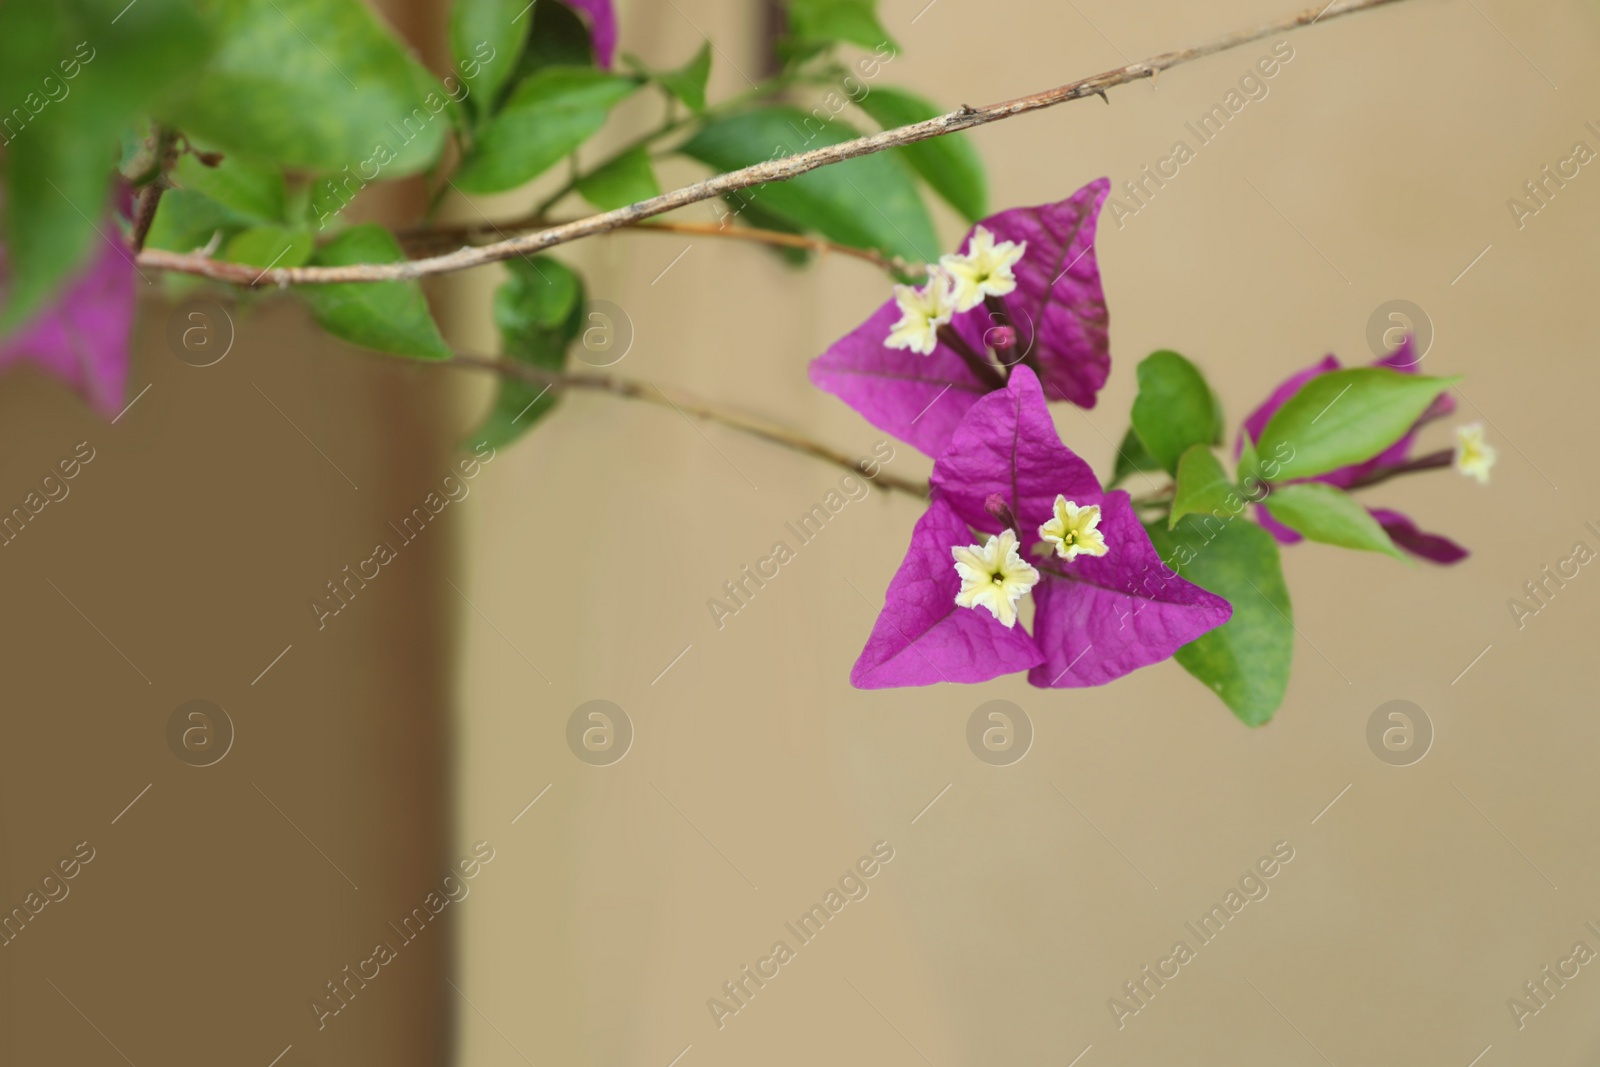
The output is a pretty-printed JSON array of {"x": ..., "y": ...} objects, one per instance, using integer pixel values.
[
  {"x": 1175, "y": 408},
  {"x": 545, "y": 118},
  {"x": 249, "y": 189},
  {"x": 688, "y": 82},
  {"x": 270, "y": 246},
  {"x": 868, "y": 202},
  {"x": 539, "y": 311},
  {"x": 830, "y": 21},
  {"x": 1132, "y": 458},
  {"x": 1330, "y": 515},
  {"x": 386, "y": 316},
  {"x": 625, "y": 180},
  {"x": 73, "y": 75},
  {"x": 1245, "y": 661},
  {"x": 1346, "y": 417},
  {"x": 486, "y": 39},
  {"x": 949, "y": 164},
  {"x": 1204, "y": 487},
  {"x": 316, "y": 84}
]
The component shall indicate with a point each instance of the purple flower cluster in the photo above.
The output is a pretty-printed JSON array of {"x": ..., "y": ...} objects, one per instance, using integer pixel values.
[{"x": 963, "y": 369}]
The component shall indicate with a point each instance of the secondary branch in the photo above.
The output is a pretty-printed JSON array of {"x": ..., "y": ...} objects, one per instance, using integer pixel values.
[
  {"x": 434, "y": 236},
  {"x": 652, "y": 394}
]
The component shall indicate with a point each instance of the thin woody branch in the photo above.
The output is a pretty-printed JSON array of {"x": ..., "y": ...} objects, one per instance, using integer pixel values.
[
  {"x": 776, "y": 170},
  {"x": 1445, "y": 457},
  {"x": 434, "y": 236},
  {"x": 652, "y": 394}
]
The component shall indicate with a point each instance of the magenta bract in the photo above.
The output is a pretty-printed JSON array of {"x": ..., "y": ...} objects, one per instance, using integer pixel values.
[
  {"x": 82, "y": 337},
  {"x": 1095, "y": 618},
  {"x": 1054, "y": 322}
]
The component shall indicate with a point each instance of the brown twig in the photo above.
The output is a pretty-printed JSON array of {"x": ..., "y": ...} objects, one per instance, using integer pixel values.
[
  {"x": 1432, "y": 461},
  {"x": 652, "y": 394},
  {"x": 772, "y": 171},
  {"x": 433, "y": 236},
  {"x": 165, "y": 152}
]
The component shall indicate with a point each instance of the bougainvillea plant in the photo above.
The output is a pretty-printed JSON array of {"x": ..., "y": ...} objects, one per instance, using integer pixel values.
[
  {"x": 227, "y": 139},
  {"x": 962, "y": 367}
]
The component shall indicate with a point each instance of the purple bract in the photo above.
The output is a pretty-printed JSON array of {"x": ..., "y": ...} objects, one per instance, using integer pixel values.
[
  {"x": 1096, "y": 617},
  {"x": 1044, "y": 309}
]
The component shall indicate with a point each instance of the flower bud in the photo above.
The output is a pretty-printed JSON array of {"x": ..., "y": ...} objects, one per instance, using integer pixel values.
[{"x": 996, "y": 505}]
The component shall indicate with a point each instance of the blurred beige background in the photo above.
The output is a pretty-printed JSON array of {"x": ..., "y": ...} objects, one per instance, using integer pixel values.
[{"x": 1019, "y": 899}]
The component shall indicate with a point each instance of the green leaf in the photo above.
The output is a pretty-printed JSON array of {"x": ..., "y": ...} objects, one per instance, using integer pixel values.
[
  {"x": 1246, "y": 661},
  {"x": 546, "y": 117},
  {"x": 1344, "y": 417},
  {"x": 386, "y": 316},
  {"x": 316, "y": 84},
  {"x": 186, "y": 221},
  {"x": 539, "y": 311},
  {"x": 496, "y": 29},
  {"x": 270, "y": 246},
  {"x": 1203, "y": 486},
  {"x": 73, "y": 74},
  {"x": 248, "y": 189},
  {"x": 1132, "y": 458},
  {"x": 830, "y": 21},
  {"x": 949, "y": 164},
  {"x": 688, "y": 82},
  {"x": 625, "y": 180},
  {"x": 1175, "y": 408},
  {"x": 235, "y": 195},
  {"x": 1249, "y": 462},
  {"x": 559, "y": 38},
  {"x": 867, "y": 202},
  {"x": 1330, "y": 515}
]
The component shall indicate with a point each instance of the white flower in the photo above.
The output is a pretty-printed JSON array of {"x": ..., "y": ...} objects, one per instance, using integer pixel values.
[
  {"x": 1474, "y": 455},
  {"x": 985, "y": 270},
  {"x": 1074, "y": 530},
  {"x": 922, "y": 312},
  {"x": 994, "y": 577}
]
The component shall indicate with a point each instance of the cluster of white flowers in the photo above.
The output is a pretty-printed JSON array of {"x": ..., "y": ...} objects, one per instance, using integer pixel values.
[
  {"x": 995, "y": 576},
  {"x": 958, "y": 284}
]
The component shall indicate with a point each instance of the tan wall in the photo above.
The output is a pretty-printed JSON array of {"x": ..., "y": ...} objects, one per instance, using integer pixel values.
[
  {"x": 220, "y": 899},
  {"x": 183, "y": 559}
]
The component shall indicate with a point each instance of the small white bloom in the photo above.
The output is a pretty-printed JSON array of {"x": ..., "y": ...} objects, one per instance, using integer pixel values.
[
  {"x": 1075, "y": 530},
  {"x": 922, "y": 312},
  {"x": 1474, "y": 455},
  {"x": 994, "y": 577},
  {"x": 985, "y": 270}
]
